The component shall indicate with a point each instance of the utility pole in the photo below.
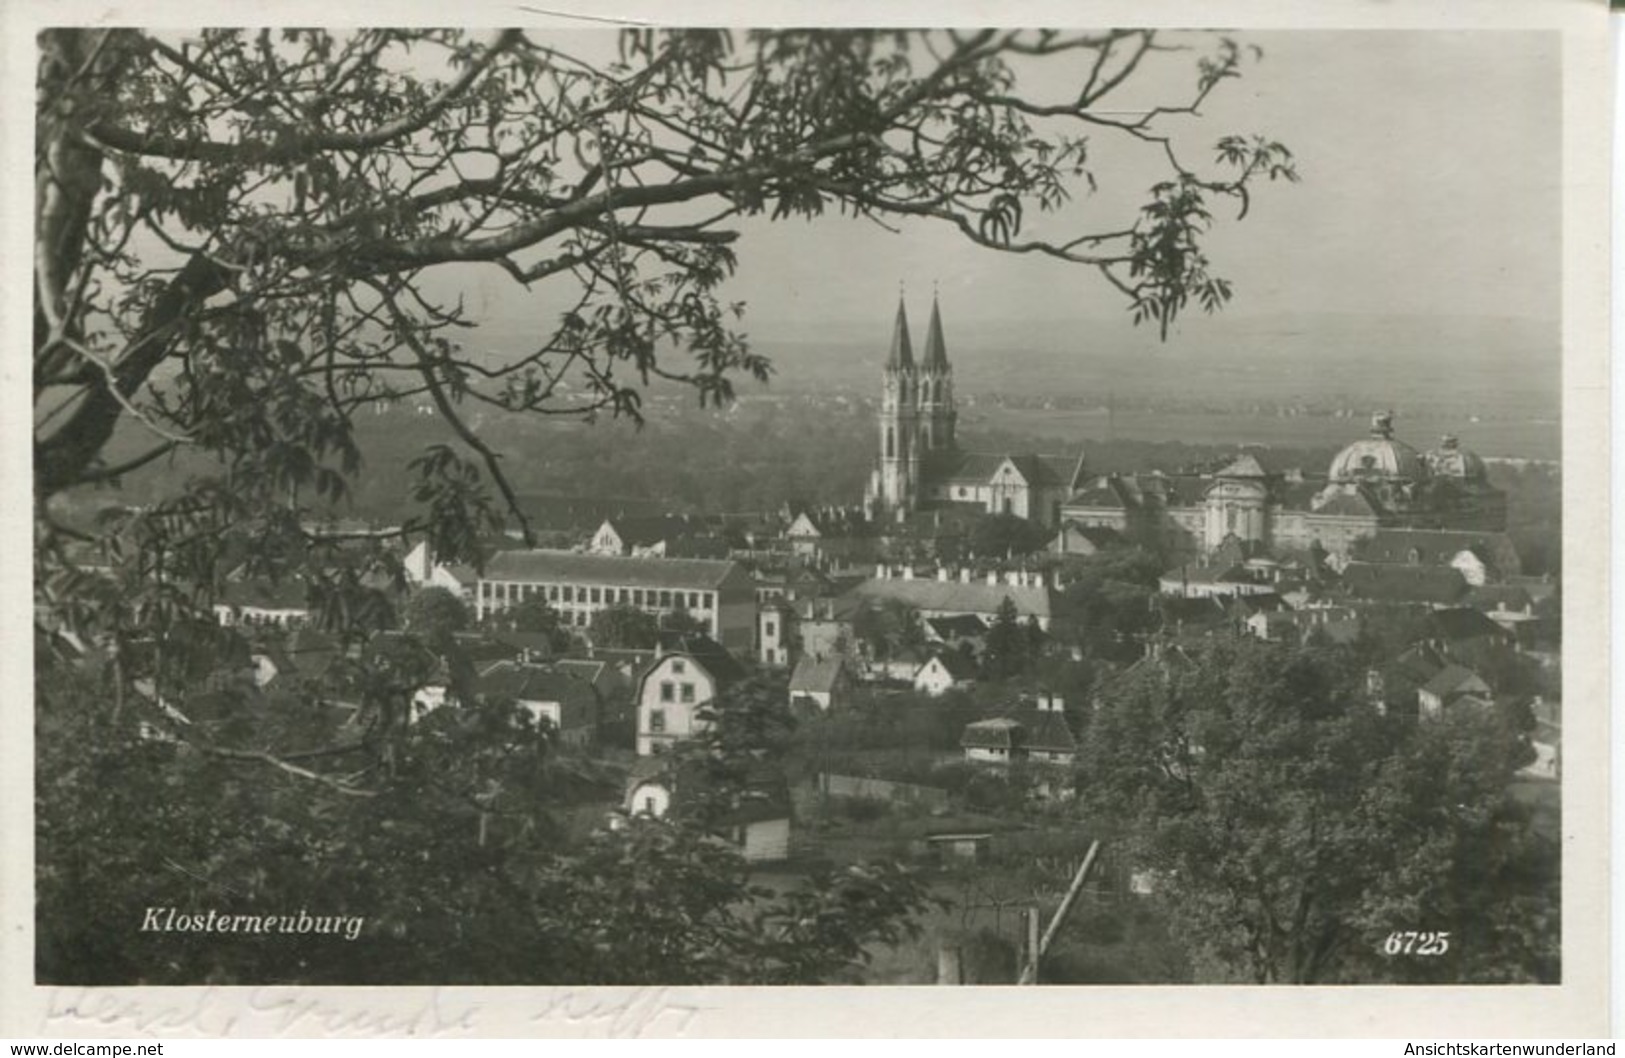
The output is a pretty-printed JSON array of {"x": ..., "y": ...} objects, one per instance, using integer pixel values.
[{"x": 1039, "y": 945}]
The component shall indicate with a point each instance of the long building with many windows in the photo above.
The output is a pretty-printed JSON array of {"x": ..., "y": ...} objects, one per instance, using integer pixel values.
[{"x": 719, "y": 594}]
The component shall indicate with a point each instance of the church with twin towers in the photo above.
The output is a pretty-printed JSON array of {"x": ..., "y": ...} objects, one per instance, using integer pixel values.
[
  {"x": 920, "y": 465},
  {"x": 1376, "y": 482}
]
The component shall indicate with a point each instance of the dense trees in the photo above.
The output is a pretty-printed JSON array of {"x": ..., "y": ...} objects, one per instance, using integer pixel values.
[
  {"x": 1290, "y": 827},
  {"x": 625, "y": 627},
  {"x": 457, "y": 857}
]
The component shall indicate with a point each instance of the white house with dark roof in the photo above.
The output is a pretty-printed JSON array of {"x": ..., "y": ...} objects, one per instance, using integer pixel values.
[
  {"x": 719, "y": 594},
  {"x": 675, "y": 688},
  {"x": 821, "y": 681},
  {"x": 943, "y": 672}
]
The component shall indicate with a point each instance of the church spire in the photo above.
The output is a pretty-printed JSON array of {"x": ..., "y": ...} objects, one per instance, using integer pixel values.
[
  {"x": 902, "y": 351},
  {"x": 936, "y": 352}
]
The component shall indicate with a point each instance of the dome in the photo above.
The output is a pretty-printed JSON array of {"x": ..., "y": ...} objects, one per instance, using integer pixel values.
[
  {"x": 1378, "y": 456},
  {"x": 1453, "y": 461}
]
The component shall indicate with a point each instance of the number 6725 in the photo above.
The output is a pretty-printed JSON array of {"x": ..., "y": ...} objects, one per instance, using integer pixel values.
[{"x": 1410, "y": 942}]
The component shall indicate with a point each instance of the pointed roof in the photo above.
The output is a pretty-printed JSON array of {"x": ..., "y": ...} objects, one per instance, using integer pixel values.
[
  {"x": 902, "y": 350},
  {"x": 1244, "y": 466},
  {"x": 936, "y": 352}
]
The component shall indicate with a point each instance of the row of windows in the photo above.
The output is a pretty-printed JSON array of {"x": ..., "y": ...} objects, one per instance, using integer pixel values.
[
  {"x": 669, "y": 693},
  {"x": 571, "y": 593}
]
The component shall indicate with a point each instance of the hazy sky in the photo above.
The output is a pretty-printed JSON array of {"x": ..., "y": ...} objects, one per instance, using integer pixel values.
[{"x": 1430, "y": 166}]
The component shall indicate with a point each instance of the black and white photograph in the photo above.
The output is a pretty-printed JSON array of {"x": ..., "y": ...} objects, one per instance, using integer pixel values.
[{"x": 611, "y": 503}]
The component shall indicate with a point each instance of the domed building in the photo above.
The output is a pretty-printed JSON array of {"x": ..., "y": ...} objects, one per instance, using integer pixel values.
[{"x": 1376, "y": 482}]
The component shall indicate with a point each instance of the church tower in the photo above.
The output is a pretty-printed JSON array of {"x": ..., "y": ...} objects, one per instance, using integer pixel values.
[
  {"x": 937, "y": 413},
  {"x": 899, "y": 471}
]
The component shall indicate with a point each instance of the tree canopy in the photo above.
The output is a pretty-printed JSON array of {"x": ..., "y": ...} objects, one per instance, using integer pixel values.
[{"x": 1290, "y": 826}]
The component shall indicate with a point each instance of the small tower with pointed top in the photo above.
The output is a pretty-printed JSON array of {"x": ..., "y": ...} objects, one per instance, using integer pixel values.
[
  {"x": 899, "y": 422},
  {"x": 937, "y": 414}
]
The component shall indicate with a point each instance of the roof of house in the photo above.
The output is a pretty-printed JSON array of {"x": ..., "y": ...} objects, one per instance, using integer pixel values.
[
  {"x": 712, "y": 656},
  {"x": 1209, "y": 573},
  {"x": 1451, "y": 679},
  {"x": 1356, "y": 503},
  {"x": 1463, "y": 622},
  {"x": 1437, "y": 547},
  {"x": 526, "y": 682},
  {"x": 957, "y": 626},
  {"x": 957, "y": 666},
  {"x": 1499, "y": 597},
  {"x": 827, "y": 608},
  {"x": 544, "y": 566},
  {"x": 998, "y": 733},
  {"x": 1107, "y": 493},
  {"x": 291, "y": 594},
  {"x": 1420, "y": 662},
  {"x": 1198, "y": 611},
  {"x": 1390, "y": 583},
  {"x": 1046, "y": 730},
  {"x": 977, "y": 468},
  {"x": 1243, "y": 466},
  {"x": 816, "y": 675},
  {"x": 959, "y": 597}
]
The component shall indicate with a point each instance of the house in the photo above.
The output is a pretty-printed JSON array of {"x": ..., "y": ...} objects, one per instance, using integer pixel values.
[
  {"x": 547, "y": 693},
  {"x": 944, "y": 671},
  {"x": 820, "y": 681},
  {"x": 1480, "y": 558},
  {"x": 1418, "y": 585},
  {"x": 1461, "y": 628},
  {"x": 262, "y": 603},
  {"x": 1339, "y": 624},
  {"x": 755, "y": 818},
  {"x": 775, "y": 632},
  {"x": 996, "y": 741},
  {"x": 1076, "y": 538},
  {"x": 423, "y": 571},
  {"x": 1046, "y": 734},
  {"x": 816, "y": 532},
  {"x": 641, "y": 536},
  {"x": 959, "y": 592},
  {"x": 962, "y": 633},
  {"x": 825, "y": 625},
  {"x": 1452, "y": 686},
  {"x": 719, "y": 594},
  {"x": 1037, "y": 731},
  {"x": 1546, "y": 740},
  {"x": 1204, "y": 580},
  {"x": 675, "y": 687}
]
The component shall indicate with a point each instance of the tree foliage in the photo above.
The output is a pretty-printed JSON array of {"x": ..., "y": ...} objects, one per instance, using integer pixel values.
[
  {"x": 1291, "y": 827},
  {"x": 624, "y": 626},
  {"x": 458, "y": 856}
]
